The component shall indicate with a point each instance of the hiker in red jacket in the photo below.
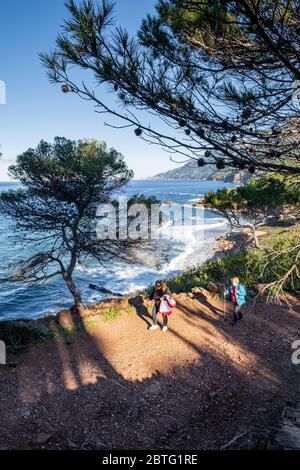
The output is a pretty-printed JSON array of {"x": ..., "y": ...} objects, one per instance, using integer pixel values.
[{"x": 163, "y": 303}]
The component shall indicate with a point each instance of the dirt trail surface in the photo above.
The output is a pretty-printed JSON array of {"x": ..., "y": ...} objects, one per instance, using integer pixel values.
[{"x": 118, "y": 385}]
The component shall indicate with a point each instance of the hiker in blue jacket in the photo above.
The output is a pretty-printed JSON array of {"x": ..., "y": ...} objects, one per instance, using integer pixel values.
[{"x": 237, "y": 294}]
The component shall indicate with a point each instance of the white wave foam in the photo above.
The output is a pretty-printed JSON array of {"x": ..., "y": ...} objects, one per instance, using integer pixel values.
[
  {"x": 194, "y": 200},
  {"x": 124, "y": 278}
]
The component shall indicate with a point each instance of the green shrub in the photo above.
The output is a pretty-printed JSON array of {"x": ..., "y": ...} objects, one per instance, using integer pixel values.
[
  {"x": 112, "y": 314},
  {"x": 16, "y": 334},
  {"x": 218, "y": 270}
]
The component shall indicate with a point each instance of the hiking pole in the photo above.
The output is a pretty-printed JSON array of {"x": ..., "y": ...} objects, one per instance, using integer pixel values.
[
  {"x": 224, "y": 303},
  {"x": 224, "y": 299}
]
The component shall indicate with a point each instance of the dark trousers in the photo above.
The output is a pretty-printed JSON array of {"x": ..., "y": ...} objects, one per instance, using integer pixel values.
[
  {"x": 237, "y": 314},
  {"x": 154, "y": 316}
]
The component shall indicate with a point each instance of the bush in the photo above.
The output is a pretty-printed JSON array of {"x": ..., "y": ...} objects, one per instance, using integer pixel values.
[
  {"x": 282, "y": 264},
  {"x": 245, "y": 265},
  {"x": 16, "y": 334}
]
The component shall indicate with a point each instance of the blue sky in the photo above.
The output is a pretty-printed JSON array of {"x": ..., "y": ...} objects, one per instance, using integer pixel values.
[{"x": 37, "y": 110}]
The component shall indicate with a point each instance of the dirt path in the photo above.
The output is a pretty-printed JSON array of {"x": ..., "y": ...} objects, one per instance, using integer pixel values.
[{"x": 118, "y": 385}]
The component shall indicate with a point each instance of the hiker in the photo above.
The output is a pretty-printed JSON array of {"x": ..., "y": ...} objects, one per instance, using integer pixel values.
[
  {"x": 237, "y": 294},
  {"x": 163, "y": 303}
]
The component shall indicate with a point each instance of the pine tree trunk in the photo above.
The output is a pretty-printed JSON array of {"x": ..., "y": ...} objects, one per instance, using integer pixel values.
[
  {"x": 255, "y": 239},
  {"x": 75, "y": 293}
]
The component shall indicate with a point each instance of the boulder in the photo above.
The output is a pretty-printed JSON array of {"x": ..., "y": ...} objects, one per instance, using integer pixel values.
[
  {"x": 65, "y": 319},
  {"x": 288, "y": 434}
]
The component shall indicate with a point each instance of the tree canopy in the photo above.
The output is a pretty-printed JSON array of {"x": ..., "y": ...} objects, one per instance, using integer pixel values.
[
  {"x": 222, "y": 76},
  {"x": 256, "y": 202}
]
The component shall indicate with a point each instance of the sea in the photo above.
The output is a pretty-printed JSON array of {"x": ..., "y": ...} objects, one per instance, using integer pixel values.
[{"x": 188, "y": 240}]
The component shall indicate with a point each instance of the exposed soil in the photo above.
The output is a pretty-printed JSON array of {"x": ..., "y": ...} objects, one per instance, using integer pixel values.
[{"x": 118, "y": 385}]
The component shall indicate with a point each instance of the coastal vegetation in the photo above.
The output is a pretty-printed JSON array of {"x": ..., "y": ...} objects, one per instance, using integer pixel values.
[
  {"x": 17, "y": 334},
  {"x": 269, "y": 257},
  {"x": 260, "y": 200},
  {"x": 274, "y": 272}
]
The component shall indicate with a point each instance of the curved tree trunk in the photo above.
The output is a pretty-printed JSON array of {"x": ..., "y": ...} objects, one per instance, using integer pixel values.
[
  {"x": 75, "y": 293},
  {"x": 255, "y": 239}
]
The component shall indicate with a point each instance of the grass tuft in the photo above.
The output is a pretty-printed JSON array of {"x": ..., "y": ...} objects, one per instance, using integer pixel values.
[{"x": 112, "y": 314}]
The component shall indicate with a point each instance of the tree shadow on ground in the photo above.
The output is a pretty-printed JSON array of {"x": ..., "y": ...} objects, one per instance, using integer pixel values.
[
  {"x": 255, "y": 329},
  {"x": 70, "y": 396},
  {"x": 141, "y": 310}
]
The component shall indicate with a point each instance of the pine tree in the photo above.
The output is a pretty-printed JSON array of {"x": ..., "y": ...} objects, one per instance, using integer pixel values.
[
  {"x": 223, "y": 76},
  {"x": 55, "y": 210}
]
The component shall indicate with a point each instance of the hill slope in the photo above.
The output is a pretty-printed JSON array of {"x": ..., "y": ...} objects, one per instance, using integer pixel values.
[{"x": 191, "y": 171}]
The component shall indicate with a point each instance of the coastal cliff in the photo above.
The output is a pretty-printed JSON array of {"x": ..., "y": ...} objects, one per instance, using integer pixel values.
[{"x": 191, "y": 171}]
